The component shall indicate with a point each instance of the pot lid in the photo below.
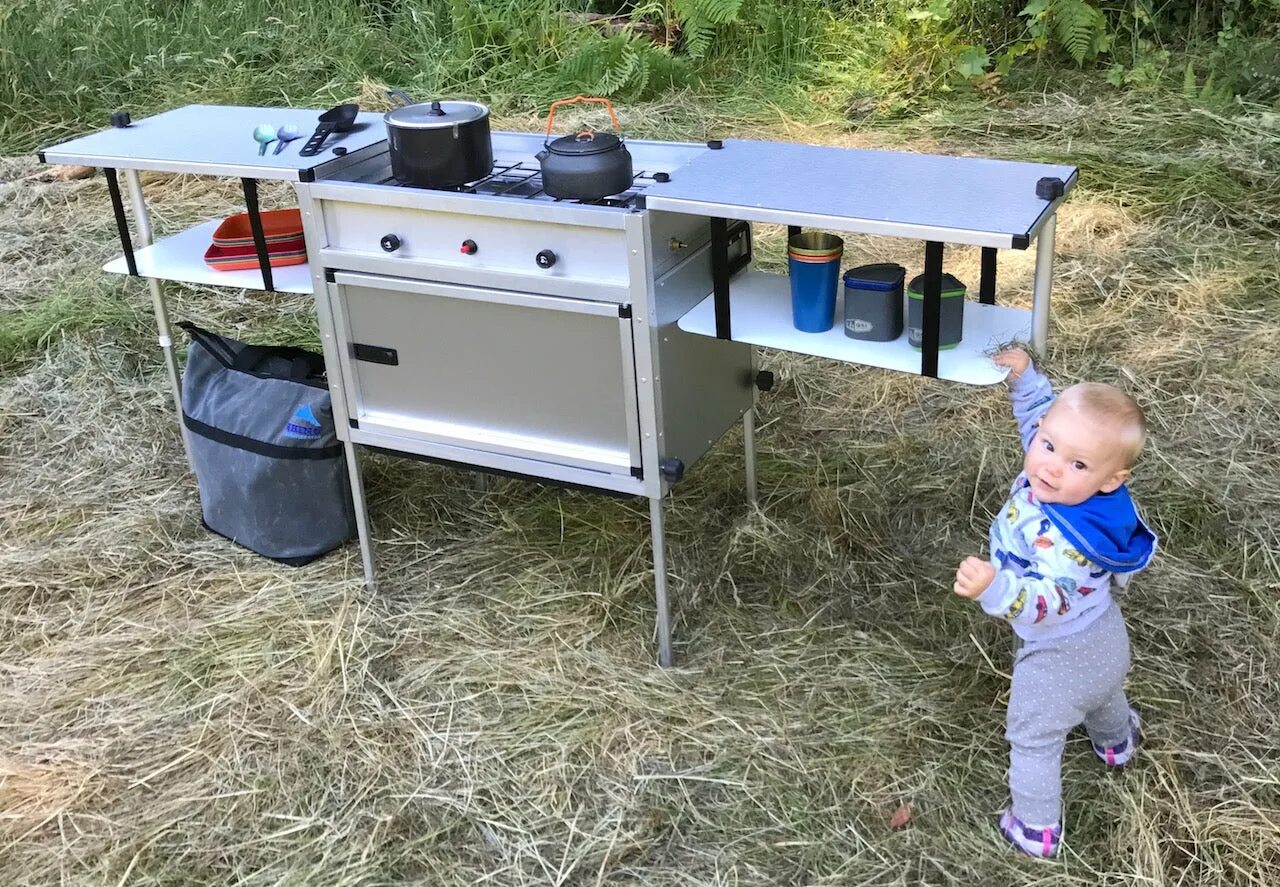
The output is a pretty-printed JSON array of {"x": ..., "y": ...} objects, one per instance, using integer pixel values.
[
  {"x": 583, "y": 143},
  {"x": 436, "y": 115}
]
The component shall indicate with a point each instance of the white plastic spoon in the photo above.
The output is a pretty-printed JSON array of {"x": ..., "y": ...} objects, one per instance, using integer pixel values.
[{"x": 285, "y": 135}]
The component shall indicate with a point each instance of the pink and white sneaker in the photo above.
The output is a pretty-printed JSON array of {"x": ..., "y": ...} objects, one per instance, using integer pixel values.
[
  {"x": 1041, "y": 843},
  {"x": 1116, "y": 756}
]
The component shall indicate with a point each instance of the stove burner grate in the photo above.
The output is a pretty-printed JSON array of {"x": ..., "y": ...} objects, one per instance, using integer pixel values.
[{"x": 525, "y": 181}]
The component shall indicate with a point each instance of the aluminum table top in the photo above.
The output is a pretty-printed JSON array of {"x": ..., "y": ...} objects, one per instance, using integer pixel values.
[
  {"x": 215, "y": 140},
  {"x": 923, "y": 196}
]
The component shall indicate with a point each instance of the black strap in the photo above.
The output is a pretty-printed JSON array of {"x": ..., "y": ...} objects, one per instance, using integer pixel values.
[
  {"x": 122, "y": 224},
  {"x": 212, "y": 342},
  {"x": 987, "y": 282},
  {"x": 303, "y": 364},
  {"x": 932, "y": 319},
  {"x": 250, "y": 187},
  {"x": 261, "y": 448}
]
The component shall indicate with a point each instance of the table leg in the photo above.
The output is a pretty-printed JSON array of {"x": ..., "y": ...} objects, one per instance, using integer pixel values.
[
  {"x": 1043, "y": 284},
  {"x": 660, "y": 582},
  {"x": 143, "y": 223},
  {"x": 362, "y": 512},
  {"x": 749, "y": 447}
]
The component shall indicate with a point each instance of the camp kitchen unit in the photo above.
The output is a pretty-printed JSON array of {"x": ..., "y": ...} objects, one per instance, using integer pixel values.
[{"x": 605, "y": 344}]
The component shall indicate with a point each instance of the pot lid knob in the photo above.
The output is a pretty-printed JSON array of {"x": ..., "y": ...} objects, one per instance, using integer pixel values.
[{"x": 436, "y": 110}]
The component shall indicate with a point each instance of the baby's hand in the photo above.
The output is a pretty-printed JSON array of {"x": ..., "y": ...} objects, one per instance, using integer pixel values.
[
  {"x": 1015, "y": 359},
  {"x": 973, "y": 577}
]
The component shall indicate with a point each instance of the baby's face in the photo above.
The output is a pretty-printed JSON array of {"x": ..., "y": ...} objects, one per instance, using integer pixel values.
[{"x": 1072, "y": 457}]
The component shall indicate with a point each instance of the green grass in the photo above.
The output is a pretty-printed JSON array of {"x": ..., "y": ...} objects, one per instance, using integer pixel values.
[
  {"x": 178, "y": 711},
  {"x": 73, "y": 310}
]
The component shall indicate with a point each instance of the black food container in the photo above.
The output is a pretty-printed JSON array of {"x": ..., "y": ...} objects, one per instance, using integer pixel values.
[{"x": 873, "y": 302}]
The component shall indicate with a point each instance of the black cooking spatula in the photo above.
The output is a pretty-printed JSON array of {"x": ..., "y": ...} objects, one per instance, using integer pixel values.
[{"x": 337, "y": 119}]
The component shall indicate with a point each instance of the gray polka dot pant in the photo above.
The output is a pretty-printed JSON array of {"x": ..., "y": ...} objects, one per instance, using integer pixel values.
[{"x": 1058, "y": 685}]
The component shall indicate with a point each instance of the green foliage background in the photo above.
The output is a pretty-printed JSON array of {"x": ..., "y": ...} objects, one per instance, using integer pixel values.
[{"x": 66, "y": 63}]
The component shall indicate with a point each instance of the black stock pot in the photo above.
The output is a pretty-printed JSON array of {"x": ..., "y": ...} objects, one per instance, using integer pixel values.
[{"x": 440, "y": 144}]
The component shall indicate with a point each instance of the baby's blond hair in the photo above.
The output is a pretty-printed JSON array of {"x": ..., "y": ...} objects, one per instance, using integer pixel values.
[{"x": 1114, "y": 409}]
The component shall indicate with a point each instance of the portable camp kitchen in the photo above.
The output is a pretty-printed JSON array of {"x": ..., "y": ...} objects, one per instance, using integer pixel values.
[{"x": 603, "y": 345}]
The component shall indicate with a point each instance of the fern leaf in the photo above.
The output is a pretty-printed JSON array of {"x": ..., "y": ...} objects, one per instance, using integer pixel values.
[
  {"x": 719, "y": 12},
  {"x": 617, "y": 72},
  {"x": 1079, "y": 27},
  {"x": 697, "y": 37}
]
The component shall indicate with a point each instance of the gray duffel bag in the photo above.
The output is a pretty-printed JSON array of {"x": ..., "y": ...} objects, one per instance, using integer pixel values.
[{"x": 267, "y": 458}]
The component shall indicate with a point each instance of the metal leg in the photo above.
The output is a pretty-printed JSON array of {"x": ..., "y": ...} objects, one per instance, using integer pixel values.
[
  {"x": 1043, "y": 284},
  {"x": 143, "y": 224},
  {"x": 749, "y": 447},
  {"x": 362, "y": 512},
  {"x": 660, "y": 582}
]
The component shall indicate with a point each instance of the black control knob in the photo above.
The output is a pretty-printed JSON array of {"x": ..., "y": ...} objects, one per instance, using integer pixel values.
[
  {"x": 764, "y": 380},
  {"x": 121, "y": 119},
  {"x": 546, "y": 258},
  {"x": 672, "y": 469},
  {"x": 390, "y": 242}
]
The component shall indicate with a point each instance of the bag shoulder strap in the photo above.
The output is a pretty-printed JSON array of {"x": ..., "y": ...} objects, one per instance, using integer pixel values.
[
  {"x": 303, "y": 364},
  {"x": 212, "y": 342}
]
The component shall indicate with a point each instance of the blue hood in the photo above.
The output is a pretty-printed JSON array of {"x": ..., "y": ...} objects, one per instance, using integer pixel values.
[{"x": 1107, "y": 529}]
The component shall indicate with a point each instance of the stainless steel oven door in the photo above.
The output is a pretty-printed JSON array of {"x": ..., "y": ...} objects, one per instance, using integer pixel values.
[{"x": 534, "y": 376}]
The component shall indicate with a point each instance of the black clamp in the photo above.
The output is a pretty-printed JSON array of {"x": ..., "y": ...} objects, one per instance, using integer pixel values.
[
  {"x": 764, "y": 380},
  {"x": 1050, "y": 188},
  {"x": 672, "y": 469}
]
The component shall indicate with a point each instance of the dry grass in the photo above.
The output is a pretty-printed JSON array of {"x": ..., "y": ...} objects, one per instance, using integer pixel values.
[{"x": 175, "y": 710}]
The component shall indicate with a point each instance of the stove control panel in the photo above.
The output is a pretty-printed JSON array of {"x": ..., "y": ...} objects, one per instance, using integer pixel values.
[{"x": 557, "y": 253}]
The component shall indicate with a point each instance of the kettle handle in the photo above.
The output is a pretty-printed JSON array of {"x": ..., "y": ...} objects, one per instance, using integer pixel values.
[{"x": 573, "y": 101}]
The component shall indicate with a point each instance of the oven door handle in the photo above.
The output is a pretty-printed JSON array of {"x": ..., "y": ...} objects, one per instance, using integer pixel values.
[{"x": 375, "y": 354}]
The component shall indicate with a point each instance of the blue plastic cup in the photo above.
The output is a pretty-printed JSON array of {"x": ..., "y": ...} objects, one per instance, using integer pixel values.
[{"x": 813, "y": 260}]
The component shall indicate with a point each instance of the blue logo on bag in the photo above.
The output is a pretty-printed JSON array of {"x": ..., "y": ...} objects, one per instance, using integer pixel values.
[{"x": 303, "y": 425}]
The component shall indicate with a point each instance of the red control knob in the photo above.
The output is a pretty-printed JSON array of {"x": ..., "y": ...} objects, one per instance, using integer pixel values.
[{"x": 469, "y": 248}]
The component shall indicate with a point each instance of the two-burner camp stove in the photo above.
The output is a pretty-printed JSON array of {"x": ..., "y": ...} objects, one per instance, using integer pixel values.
[{"x": 497, "y": 328}]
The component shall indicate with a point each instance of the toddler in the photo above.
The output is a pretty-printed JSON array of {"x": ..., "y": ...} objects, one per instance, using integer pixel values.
[{"x": 1068, "y": 532}]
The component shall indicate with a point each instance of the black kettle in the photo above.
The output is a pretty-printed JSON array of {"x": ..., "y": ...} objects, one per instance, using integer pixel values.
[{"x": 587, "y": 165}]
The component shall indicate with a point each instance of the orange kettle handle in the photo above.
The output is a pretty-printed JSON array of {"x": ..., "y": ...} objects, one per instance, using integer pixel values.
[{"x": 573, "y": 101}]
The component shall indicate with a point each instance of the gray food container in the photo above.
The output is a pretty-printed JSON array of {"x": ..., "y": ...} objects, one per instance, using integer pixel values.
[
  {"x": 873, "y": 302},
  {"x": 951, "y": 324}
]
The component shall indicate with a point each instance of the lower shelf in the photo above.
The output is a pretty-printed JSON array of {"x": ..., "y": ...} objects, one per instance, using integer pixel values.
[
  {"x": 760, "y": 314},
  {"x": 181, "y": 257}
]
